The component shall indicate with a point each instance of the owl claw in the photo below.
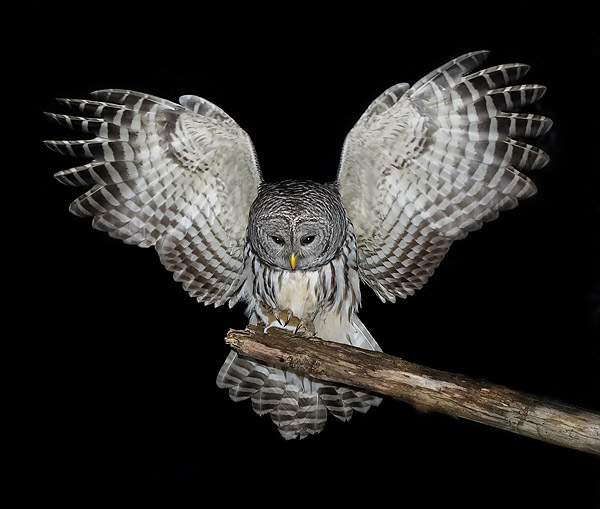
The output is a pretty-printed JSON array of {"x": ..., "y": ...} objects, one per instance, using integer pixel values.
[
  {"x": 283, "y": 316},
  {"x": 305, "y": 328},
  {"x": 285, "y": 319}
]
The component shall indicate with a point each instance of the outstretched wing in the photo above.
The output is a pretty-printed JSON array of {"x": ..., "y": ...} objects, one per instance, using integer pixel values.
[
  {"x": 427, "y": 164},
  {"x": 180, "y": 177}
]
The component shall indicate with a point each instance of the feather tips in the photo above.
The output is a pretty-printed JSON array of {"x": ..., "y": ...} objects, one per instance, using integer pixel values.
[
  {"x": 297, "y": 405},
  {"x": 161, "y": 175},
  {"x": 436, "y": 164}
]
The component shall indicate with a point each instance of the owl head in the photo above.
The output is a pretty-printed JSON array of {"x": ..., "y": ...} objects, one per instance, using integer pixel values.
[{"x": 297, "y": 225}]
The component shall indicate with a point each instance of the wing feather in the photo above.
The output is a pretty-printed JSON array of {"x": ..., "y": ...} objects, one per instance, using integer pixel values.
[
  {"x": 427, "y": 164},
  {"x": 166, "y": 175}
]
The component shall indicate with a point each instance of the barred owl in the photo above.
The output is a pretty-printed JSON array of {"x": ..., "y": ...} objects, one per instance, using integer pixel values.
[{"x": 422, "y": 167}]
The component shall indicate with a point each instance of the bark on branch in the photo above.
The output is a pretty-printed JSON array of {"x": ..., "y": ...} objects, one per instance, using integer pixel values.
[{"x": 424, "y": 388}]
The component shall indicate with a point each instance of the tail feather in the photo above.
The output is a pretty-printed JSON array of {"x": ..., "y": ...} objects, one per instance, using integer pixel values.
[{"x": 297, "y": 405}]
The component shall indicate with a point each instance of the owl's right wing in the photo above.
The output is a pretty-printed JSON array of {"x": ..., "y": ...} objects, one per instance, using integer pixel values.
[
  {"x": 427, "y": 164},
  {"x": 180, "y": 177}
]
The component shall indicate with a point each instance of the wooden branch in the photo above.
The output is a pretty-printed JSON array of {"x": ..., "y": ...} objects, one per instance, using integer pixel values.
[{"x": 424, "y": 388}]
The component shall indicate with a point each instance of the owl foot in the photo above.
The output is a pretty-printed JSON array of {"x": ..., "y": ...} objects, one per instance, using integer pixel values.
[
  {"x": 305, "y": 328},
  {"x": 276, "y": 317},
  {"x": 285, "y": 319}
]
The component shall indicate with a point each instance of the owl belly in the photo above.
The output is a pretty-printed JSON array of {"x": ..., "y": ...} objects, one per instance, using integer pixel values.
[{"x": 298, "y": 293}]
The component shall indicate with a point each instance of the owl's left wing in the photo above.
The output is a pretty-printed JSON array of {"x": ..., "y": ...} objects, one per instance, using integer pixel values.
[
  {"x": 427, "y": 164},
  {"x": 180, "y": 177}
]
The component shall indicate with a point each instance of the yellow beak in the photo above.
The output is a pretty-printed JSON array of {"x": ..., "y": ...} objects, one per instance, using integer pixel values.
[{"x": 293, "y": 260}]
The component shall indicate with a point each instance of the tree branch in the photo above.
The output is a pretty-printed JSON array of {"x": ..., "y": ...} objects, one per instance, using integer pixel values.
[{"x": 424, "y": 388}]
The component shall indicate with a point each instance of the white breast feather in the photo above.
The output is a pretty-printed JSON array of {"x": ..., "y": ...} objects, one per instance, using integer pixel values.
[{"x": 298, "y": 292}]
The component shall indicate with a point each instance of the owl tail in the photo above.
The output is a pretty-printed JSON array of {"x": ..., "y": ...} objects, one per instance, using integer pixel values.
[{"x": 297, "y": 405}]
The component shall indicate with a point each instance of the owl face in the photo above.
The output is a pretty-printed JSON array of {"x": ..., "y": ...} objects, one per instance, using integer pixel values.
[{"x": 296, "y": 225}]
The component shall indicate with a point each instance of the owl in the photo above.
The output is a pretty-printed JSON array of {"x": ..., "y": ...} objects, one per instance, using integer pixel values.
[{"x": 423, "y": 166}]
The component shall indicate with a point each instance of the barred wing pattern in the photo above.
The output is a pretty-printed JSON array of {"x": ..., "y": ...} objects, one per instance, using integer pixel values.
[
  {"x": 166, "y": 175},
  {"x": 427, "y": 164}
]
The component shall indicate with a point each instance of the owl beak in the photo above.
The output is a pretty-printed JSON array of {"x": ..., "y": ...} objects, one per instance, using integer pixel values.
[{"x": 293, "y": 260}]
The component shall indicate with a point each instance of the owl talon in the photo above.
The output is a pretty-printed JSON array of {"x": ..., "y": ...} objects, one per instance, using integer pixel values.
[
  {"x": 283, "y": 316},
  {"x": 275, "y": 317},
  {"x": 305, "y": 328},
  {"x": 285, "y": 319}
]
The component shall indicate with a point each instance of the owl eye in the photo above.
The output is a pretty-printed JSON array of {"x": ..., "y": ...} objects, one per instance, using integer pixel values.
[
  {"x": 307, "y": 239},
  {"x": 277, "y": 239}
]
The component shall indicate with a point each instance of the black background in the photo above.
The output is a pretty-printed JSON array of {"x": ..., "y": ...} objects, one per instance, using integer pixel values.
[{"x": 118, "y": 365}]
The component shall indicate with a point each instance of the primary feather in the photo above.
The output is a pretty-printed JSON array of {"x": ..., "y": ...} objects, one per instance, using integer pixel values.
[
  {"x": 165, "y": 175},
  {"x": 427, "y": 164}
]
